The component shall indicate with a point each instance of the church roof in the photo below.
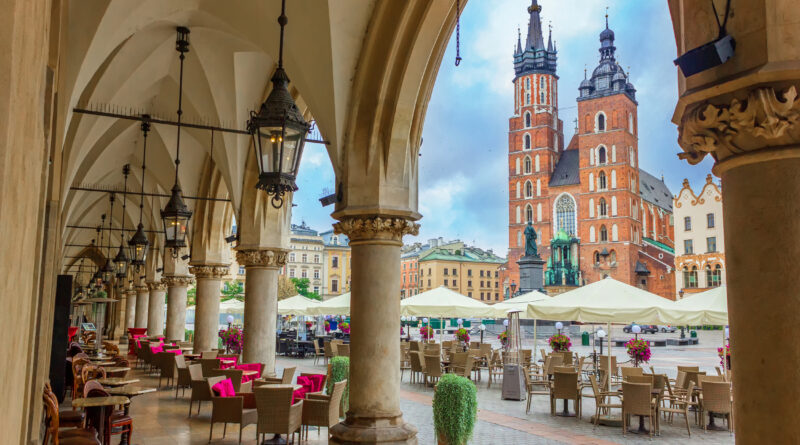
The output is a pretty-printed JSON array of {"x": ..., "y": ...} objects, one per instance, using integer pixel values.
[
  {"x": 608, "y": 78},
  {"x": 534, "y": 57},
  {"x": 654, "y": 191},
  {"x": 567, "y": 169}
]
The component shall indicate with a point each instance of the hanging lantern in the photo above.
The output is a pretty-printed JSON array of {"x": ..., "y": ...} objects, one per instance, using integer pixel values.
[
  {"x": 279, "y": 134},
  {"x": 138, "y": 243},
  {"x": 121, "y": 260}
]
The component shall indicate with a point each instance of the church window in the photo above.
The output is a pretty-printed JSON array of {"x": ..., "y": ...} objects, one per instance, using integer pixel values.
[
  {"x": 527, "y": 83},
  {"x": 591, "y": 235},
  {"x": 591, "y": 182},
  {"x": 596, "y": 257},
  {"x": 601, "y": 155},
  {"x": 542, "y": 89},
  {"x": 603, "y": 234},
  {"x": 528, "y": 189},
  {"x": 536, "y": 163},
  {"x": 519, "y": 215},
  {"x": 519, "y": 190},
  {"x": 600, "y": 122},
  {"x": 614, "y": 233},
  {"x": 603, "y": 208},
  {"x": 527, "y": 141},
  {"x": 565, "y": 214},
  {"x": 613, "y": 153},
  {"x": 528, "y": 213},
  {"x": 527, "y": 165},
  {"x": 517, "y": 166},
  {"x": 630, "y": 123},
  {"x": 591, "y": 208},
  {"x": 527, "y": 98},
  {"x": 613, "y": 256},
  {"x": 538, "y": 187},
  {"x": 601, "y": 181},
  {"x": 539, "y": 212},
  {"x": 541, "y": 97},
  {"x": 527, "y": 119},
  {"x": 613, "y": 206}
]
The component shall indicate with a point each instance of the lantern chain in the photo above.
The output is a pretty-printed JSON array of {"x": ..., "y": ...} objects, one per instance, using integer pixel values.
[{"x": 458, "y": 32}]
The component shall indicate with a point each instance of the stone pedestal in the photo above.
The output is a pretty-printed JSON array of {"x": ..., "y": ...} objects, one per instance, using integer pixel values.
[
  {"x": 206, "y": 313},
  {"x": 176, "y": 306},
  {"x": 155, "y": 308},
  {"x": 374, "y": 415},
  {"x": 531, "y": 273},
  {"x": 142, "y": 302},
  {"x": 261, "y": 304}
]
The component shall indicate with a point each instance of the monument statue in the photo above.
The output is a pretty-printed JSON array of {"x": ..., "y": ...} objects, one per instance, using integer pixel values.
[{"x": 530, "y": 241}]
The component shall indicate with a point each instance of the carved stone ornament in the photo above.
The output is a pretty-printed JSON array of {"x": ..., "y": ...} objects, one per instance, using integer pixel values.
[
  {"x": 209, "y": 271},
  {"x": 176, "y": 281},
  {"x": 141, "y": 288},
  {"x": 767, "y": 118},
  {"x": 262, "y": 257},
  {"x": 157, "y": 286},
  {"x": 376, "y": 227}
]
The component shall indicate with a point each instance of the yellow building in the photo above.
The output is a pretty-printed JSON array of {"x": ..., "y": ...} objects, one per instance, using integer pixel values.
[
  {"x": 337, "y": 264},
  {"x": 469, "y": 271}
]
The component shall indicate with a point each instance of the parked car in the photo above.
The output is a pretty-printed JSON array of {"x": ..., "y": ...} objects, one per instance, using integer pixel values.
[
  {"x": 646, "y": 328},
  {"x": 667, "y": 328}
]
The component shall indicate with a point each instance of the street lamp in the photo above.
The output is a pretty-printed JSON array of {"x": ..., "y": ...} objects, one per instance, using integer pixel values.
[
  {"x": 601, "y": 334},
  {"x": 559, "y": 326},
  {"x": 279, "y": 133},
  {"x": 636, "y": 329},
  {"x": 513, "y": 287},
  {"x": 683, "y": 327},
  {"x": 483, "y": 328}
]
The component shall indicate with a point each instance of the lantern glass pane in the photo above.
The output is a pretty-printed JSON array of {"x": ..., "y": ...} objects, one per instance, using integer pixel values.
[{"x": 291, "y": 141}]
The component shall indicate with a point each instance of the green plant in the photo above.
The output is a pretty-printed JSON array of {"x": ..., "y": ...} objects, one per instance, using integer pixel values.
[
  {"x": 232, "y": 290},
  {"x": 100, "y": 294},
  {"x": 188, "y": 335},
  {"x": 455, "y": 409},
  {"x": 301, "y": 284},
  {"x": 340, "y": 370}
]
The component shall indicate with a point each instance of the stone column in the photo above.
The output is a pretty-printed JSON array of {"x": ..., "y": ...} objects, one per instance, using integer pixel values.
[
  {"x": 176, "y": 306},
  {"x": 374, "y": 415},
  {"x": 206, "y": 312},
  {"x": 754, "y": 135},
  {"x": 130, "y": 308},
  {"x": 155, "y": 309},
  {"x": 142, "y": 302},
  {"x": 261, "y": 304}
]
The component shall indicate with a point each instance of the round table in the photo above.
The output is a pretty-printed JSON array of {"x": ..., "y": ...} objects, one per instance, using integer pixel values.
[{"x": 101, "y": 403}]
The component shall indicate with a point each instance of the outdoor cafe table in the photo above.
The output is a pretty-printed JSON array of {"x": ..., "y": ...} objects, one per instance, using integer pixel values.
[
  {"x": 277, "y": 439},
  {"x": 116, "y": 381},
  {"x": 102, "y": 403},
  {"x": 102, "y": 363},
  {"x": 110, "y": 369},
  {"x": 130, "y": 392}
]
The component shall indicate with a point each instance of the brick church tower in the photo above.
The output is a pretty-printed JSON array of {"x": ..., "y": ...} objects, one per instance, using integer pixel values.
[{"x": 535, "y": 136}]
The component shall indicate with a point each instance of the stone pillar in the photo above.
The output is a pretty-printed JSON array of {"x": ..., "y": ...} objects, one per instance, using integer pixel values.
[
  {"x": 142, "y": 302},
  {"x": 155, "y": 309},
  {"x": 130, "y": 308},
  {"x": 206, "y": 313},
  {"x": 754, "y": 135},
  {"x": 261, "y": 304},
  {"x": 374, "y": 415},
  {"x": 176, "y": 306}
]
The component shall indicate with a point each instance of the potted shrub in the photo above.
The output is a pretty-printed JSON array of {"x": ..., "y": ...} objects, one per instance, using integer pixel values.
[
  {"x": 455, "y": 409},
  {"x": 426, "y": 333},
  {"x": 727, "y": 356},
  {"x": 560, "y": 343},
  {"x": 638, "y": 351},
  {"x": 462, "y": 335},
  {"x": 338, "y": 370}
]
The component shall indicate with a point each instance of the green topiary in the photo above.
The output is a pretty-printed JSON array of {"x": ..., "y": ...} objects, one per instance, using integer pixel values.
[
  {"x": 340, "y": 370},
  {"x": 455, "y": 409}
]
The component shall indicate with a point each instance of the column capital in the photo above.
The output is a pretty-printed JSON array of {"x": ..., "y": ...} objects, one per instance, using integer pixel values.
[
  {"x": 262, "y": 257},
  {"x": 376, "y": 227},
  {"x": 208, "y": 271},
  {"x": 141, "y": 288},
  {"x": 157, "y": 285},
  {"x": 750, "y": 125},
  {"x": 177, "y": 281}
]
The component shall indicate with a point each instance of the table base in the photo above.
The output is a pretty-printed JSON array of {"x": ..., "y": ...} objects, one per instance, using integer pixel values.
[
  {"x": 608, "y": 421},
  {"x": 275, "y": 440}
]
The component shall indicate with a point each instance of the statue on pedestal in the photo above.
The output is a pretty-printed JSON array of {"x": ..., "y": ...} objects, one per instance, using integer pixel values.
[{"x": 530, "y": 241}]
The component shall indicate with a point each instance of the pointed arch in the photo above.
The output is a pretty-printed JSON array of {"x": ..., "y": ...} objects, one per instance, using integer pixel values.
[
  {"x": 519, "y": 190},
  {"x": 528, "y": 213},
  {"x": 516, "y": 162},
  {"x": 519, "y": 215},
  {"x": 527, "y": 165},
  {"x": 528, "y": 189},
  {"x": 527, "y": 119},
  {"x": 602, "y": 155},
  {"x": 565, "y": 215},
  {"x": 602, "y": 208},
  {"x": 600, "y": 122},
  {"x": 601, "y": 181},
  {"x": 526, "y": 142},
  {"x": 603, "y": 234}
]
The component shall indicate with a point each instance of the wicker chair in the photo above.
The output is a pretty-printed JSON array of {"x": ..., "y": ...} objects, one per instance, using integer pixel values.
[
  {"x": 276, "y": 413},
  {"x": 433, "y": 368},
  {"x": 495, "y": 366},
  {"x": 628, "y": 371},
  {"x": 318, "y": 352},
  {"x": 565, "y": 386},
  {"x": 417, "y": 366},
  {"x": 717, "y": 400},
  {"x": 677, "y": 404},
  {"x": 342, "y": 350},
  {"x": 323, "y": 410},
  {"x": 238, "y": 409},
  {"x": 535, "y": 387},
  {"x": 285, "y": 379},
  {"x": 209, "y": 354},
  {"x": 602, "y": 400},
  {"x": 327, "y": 350},
  {"x": 184, "y": 377},
  {"x": 200, "y": 385},
  {"x": 210, "y": 367},
  {"x": 166, "y": 367},
  {"x": 637, "y": 400}
]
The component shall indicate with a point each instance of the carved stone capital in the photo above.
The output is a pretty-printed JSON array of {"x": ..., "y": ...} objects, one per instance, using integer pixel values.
[
  {"x": 177, "y": 281},
  {"x": 141, "y": 288},
  {"x": 157, "y": 286},
  {"x": 362, "y": 228},
  {"x": 766, "y": 119},
  {"x": 202, "y": 271},
  {"x": 262, "y": 257}
]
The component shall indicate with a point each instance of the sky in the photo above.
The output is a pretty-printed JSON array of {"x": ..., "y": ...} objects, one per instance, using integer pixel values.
[{"x": 463, "y": 191}]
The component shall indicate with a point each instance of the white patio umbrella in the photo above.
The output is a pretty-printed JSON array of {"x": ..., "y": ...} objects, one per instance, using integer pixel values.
[
  {"x": 232, "y": 306},
  {"x": 709, "y": 307},
  {"x": 335, "y": 306},
  {"x": 520, "y": 304},
  {"x": 297, "y": 305},
  {"x": 443, "y": 302}
]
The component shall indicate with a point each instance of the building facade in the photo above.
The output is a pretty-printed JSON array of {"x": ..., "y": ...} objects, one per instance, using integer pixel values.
[
  {"x": 305, "y": 259},
  {"x": 699, "y": 240},
  {"x": 409, "y": 262},
  {"x": 468, "y": 270},
  {"x": 595, "y": 211},
  {"x": 337, "y": 264}
]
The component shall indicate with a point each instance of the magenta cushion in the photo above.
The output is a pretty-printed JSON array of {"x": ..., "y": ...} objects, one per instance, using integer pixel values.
[
  {"x": 157, "y": 349},
  {"x": 249, "y": 367},
  {"x": 316, "y": 382},
  {"x": 224, "y": 388},
  {"x": 305, "y": 382}
]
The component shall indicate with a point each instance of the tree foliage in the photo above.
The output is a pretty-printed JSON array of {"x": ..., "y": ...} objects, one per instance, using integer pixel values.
[
  {"x": 286, "y": 288},
  {"x": 301, "y": 285},
  {"x": 232, "y": 290}
]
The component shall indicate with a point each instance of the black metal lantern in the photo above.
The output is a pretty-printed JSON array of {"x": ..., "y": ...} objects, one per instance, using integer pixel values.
[
  {"x": 121, "y": 260},
  {"x": 279, "y": 133},
  {"x": 139, "y": 242},
  {"x": 176, "y": 214}
]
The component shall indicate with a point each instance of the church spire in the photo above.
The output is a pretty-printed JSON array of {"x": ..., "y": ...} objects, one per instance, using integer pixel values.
[
  {"x": 519, "y": 41},
  {"x": 550, "y": 39},
  {"x": 535, "y": 39}
]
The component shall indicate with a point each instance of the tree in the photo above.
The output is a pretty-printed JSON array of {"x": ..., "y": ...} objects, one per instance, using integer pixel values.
[
  {"x": 301, "y": 284},
  {"x": 232, "y": 290},
  {"x": 286, "y": 288},
  {"x": 191, "y": 297}
]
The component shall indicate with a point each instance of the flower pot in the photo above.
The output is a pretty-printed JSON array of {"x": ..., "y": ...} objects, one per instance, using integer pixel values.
[{"x": 441, "y": 440}]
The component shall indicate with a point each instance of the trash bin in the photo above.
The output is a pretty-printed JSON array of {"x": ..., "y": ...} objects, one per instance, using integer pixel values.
[
  {"x": 693, "y": 334},
  {"x": 585, "y": 338}
]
